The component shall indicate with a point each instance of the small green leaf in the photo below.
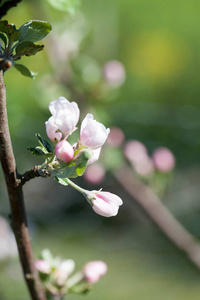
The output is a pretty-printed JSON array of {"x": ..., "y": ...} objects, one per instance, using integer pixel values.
[
  {"x": 75, "y": 168},
  {"x": 69, "y": 6},
  {"x": 3, "y": 38},
  {"x": 62, "y": 181},
  {"x": 27, "y": 48},
  {"x": 34, "y": 31},
  {"x": 24, "y": 70},
  {"x": 44, "y": 143},
  {"x": 10, "y": 30},
  {"x": 36, "y": 151}
]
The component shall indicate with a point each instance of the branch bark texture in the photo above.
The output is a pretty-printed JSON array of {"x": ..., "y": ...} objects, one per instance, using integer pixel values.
[
  {"x": 15, "y": 193},
  {"x": 148, "y": 200}
]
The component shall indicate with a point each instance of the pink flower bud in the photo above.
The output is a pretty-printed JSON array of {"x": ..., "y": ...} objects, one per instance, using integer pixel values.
[
  {"x": 51, "y": 129},
  {"x": 104, "y": 203},
  {"x": 93, "y": 134},
  {"x": 94, "y": 173},
  {"x": 114, "y": 73},
  {"x": 163, "y": 159},
  {"x": 66, "y": 115},
  {"x": 94, "y": 270},
  {"x": 43, "y": 266},
  {"x": 64, "y": 151}
]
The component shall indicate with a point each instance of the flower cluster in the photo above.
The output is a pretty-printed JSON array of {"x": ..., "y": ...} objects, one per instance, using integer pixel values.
[
  {"x": 56, "y": 274},
  {"x": 71, "y": 160},
  {"x": 62, "y": 123}
]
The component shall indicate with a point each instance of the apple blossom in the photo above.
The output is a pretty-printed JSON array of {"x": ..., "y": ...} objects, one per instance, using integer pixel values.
[
  {"x": 64, "y": 151},
  {"x": 104, "y": 203},
  {"x": 93, "y": 133},
  {"x": 163, "y": 159},
  {"x": 93, "y": 270},
  {"x": 94, "y": 173},
  {"x": 65, "y": 268},
  {"x": 51, "y": 130},
  {"x": 43, "y": 266},
  {"x": 65, "y": 115},
  {"x": 114, "y": 73}
]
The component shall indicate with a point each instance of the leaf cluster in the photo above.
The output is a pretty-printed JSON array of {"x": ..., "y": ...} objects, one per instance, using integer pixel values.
[{"x": 21, "y": 42}]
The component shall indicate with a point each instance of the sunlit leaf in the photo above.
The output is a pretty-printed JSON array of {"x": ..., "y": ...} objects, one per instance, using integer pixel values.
[{"x": 34, "y": 30}]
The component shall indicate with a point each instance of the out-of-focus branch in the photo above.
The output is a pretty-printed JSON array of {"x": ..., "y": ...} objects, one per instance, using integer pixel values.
[
  {"x": 159, "y": 214},
  {"x": 15, "y": 193},
  {"x": 6, "y": 5}
]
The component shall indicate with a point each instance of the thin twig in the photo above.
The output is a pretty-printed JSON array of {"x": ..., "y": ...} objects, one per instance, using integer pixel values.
[
  {"x": 15, "y": 193},
  {"x": 160, "y": 214}
]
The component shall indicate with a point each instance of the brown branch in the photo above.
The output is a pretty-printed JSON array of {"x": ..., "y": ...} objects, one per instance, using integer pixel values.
[
  {"x": 6, "y": 6},
  {"x": 37, "y": 171},
  {"x": 15, "y": 193},
  {"x": 159, "y": 214}
]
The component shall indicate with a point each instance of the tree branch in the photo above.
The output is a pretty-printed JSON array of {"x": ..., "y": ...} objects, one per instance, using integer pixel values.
[
  {"x": 15, "y": 193},
  {"x": 6, "y": 6},
  {"x": 159, "y": 214}
]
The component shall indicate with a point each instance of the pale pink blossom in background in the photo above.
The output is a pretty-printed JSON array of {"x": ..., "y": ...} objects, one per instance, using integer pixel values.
[
  {"x": 104, "y": 203},
  {"x": 43, "y": 266},
  {"x": 93, "y": 133},
  {"x": 94, "y": 173},
  {"x": 63, "y": 271},
  {"x": 94, "y": 270},
  {"x": 64, "y": 151},
  {"x": 115, "y": 137},
  {"x": 163, "y": 159},
  {"x": 8, "y": 246},
  {"x": 51, "y": 130},
  {"x": 137, "y": 154},
  {"x": 114, "y": 73},
  {"x": 65, "y": 115}
]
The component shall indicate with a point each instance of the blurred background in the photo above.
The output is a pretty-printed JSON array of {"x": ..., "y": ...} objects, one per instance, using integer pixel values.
[{"x": 135, "y": 66}]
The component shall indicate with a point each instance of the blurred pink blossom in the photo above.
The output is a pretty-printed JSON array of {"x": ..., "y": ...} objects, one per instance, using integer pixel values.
[
  {"x": 8, "y": 246},
  {"x": 137, "y": 154},
  {"x": 163, "y": 159},
  {"x": 63, "y": 271},
  {"x": 64, "y": 151},
  {"x": 94, "y": 173},
  {"x": 43, "y": 266},
  {"x": 116, "y": 137},
  {"x": 114, "y": 73},
  {"x": 93, "y": 134},
  {"x": 94, "y": 270},
  {"x": 104, "y": 203}
]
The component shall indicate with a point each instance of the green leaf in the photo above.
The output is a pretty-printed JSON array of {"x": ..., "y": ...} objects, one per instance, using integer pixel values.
[
  {"x": 75, "y": 168},
  {"x": 3, "y": 38},
  {"x": 10, "y": 30},
  {"x": 69, "y": 6},
  {"x": 44, "y": 143},
  {"x": 24, "y": 70},
  {"x": 27, "y": 48},
  {"x": 36, "y": 151},
  {"x": 34, "y": 31}
]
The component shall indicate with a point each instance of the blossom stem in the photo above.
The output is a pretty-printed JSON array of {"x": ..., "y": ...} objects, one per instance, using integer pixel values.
[
  {"x": 77, "y": 187},
  {"x": 15, "y": 193}
]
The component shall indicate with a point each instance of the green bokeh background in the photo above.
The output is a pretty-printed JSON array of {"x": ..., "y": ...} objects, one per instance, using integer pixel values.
[{"x": 159, "y": 44}]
